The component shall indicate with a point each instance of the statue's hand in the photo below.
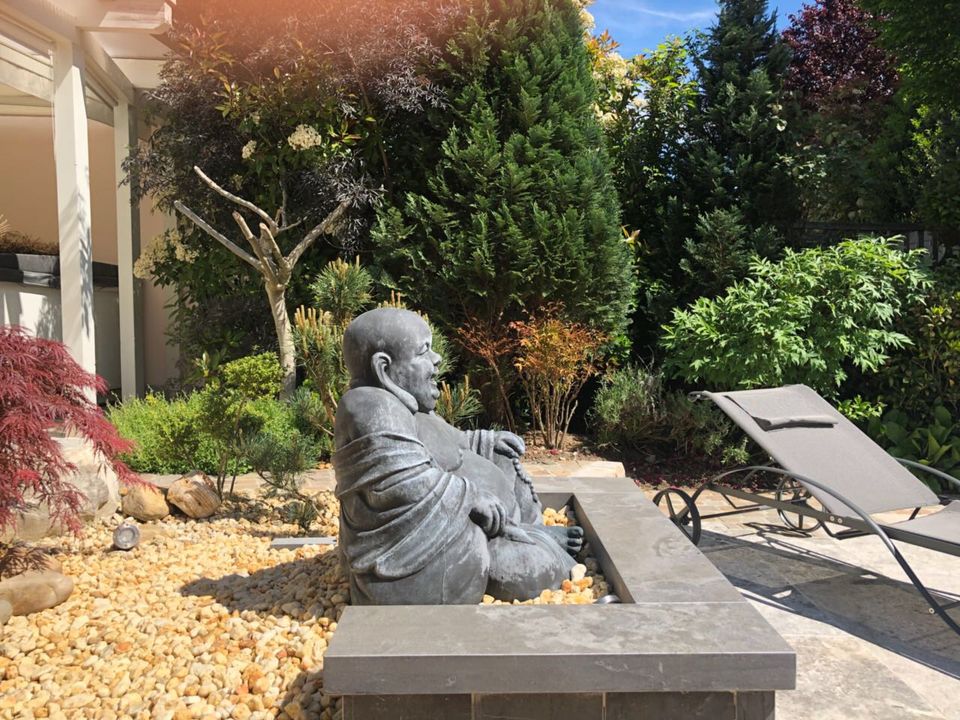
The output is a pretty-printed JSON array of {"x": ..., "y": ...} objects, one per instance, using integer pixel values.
[
  {"x": 509, "y": 444},
  {"x": 490, "y": 515}
]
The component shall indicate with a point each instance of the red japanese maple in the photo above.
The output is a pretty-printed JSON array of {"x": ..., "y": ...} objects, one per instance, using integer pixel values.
[{"x": 42, "y": 387}]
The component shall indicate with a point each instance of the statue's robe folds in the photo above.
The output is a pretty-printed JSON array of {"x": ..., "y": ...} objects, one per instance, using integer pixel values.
[
  {"x": 405, "y": 527},
  {"x": 406, "y": 492}
]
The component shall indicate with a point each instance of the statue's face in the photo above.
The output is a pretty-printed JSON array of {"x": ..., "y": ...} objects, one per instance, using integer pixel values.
[{"x": 414, "y": 366}]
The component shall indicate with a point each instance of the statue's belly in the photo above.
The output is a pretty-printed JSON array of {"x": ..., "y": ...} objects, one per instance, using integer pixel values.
[{"x": 443, "y": 442}]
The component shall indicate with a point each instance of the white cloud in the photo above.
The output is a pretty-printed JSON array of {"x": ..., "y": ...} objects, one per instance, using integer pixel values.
[{"x": 630, "y": 6}]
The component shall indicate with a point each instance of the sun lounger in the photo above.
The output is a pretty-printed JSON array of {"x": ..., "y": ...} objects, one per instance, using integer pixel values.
[{"x": 829, "y": 473}]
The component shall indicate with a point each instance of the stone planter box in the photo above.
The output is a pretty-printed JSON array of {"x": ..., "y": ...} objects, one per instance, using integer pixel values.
[{"x": 684, "y": 643}]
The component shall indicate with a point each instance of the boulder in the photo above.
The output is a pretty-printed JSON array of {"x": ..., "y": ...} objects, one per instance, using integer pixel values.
[
  {"x": 94, "y": 479},
  {"x": 144, "y": 503},
  {"x": 195, "y": 495},
  {"x": 20, "y": 558},
  {"x": 34, "y": 590},
  {"x": 6, "y": 612}
]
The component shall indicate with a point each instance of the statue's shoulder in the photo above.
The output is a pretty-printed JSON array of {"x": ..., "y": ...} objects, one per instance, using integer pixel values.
[{"x": 365, "y": 410}]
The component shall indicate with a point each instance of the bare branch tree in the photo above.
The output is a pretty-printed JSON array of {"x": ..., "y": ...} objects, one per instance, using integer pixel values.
[{"x": 268, "y": 259}]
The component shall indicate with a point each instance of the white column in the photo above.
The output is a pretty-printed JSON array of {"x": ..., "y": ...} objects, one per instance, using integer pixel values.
[
  {"x": 128, "y": 249},
  {"x": 72, "y": 162}
]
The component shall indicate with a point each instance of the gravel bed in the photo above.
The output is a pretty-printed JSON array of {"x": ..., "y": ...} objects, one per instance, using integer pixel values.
[{"x": 201, "y": 620}]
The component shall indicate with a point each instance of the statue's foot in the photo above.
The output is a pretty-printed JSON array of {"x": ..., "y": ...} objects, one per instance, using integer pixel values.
[{"x": 569, "y": 538}]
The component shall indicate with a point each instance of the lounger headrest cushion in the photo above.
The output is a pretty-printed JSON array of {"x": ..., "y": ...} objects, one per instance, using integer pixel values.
[
  {"x": 781, "y": 408},
  {"x": 791, "y": 421}
]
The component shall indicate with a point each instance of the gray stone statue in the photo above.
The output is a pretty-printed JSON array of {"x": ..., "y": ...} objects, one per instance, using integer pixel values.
[{"x": 430, "y": 514}]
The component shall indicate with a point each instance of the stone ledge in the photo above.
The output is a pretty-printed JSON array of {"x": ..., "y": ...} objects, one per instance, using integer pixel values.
[{"x": 556, "y": 649}]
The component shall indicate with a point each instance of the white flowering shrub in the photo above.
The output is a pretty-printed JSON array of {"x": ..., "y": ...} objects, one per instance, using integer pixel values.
[
  {"x": 305, "y": 137},
  {"x": 163, "y": 248}
]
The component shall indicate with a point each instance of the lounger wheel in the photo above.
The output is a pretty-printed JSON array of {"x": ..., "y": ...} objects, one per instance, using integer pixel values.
[
  {"x": 681, "y": 510},
  {"x": 791, "y": 491}
]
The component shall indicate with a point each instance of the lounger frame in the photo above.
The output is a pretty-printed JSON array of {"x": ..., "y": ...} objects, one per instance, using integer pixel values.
[{"x": 725, "y": 484}]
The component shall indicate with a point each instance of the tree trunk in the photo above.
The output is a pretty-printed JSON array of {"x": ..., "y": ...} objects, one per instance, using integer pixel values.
[{"x": 276, "y": 294}]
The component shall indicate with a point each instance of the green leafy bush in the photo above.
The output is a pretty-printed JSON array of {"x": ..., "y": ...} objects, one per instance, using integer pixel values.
[
  {"x": 633, "y": 410},
  {"x": 280, "y": 459},
  {"x": 927, "y": 373},
  {"x": 936, "y": 445},
  {"x": 205, "y": 430},
  {"x": 164, "y": 431},
  {"x": 628, "y": 410},
  {"x": 231, "y": 407},
  {"x": 806, "y": 319},
  {"x": 168, "y": 434},
  {"x": 172, "y": 436}
]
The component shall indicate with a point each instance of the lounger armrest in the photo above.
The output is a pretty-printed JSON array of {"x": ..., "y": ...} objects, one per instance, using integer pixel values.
[{"x": 951, "y": 480}]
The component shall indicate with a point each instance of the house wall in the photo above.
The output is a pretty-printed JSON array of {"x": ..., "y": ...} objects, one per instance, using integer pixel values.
[
  {"x": 28, "y": 199},
  {"x": 38, "y": 310}
]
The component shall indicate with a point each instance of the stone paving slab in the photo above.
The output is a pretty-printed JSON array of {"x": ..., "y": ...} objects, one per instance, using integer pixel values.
[{"x": 866, "y": 645}]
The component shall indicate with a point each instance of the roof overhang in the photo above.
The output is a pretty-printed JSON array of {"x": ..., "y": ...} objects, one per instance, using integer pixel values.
[{"x": 121, "y": 37}]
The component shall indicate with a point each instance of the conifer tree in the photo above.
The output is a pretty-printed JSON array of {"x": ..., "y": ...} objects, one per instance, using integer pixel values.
[
  {"x": 740, "y": 179},
  {"x": 520, "y": 210}
]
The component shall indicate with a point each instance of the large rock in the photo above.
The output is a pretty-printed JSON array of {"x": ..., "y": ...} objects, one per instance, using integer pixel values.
[
  {"x": 33, "y": 591},
  {"x": 92, "y": 477},
  {"x": 145, "y": 503},
  {"x": 20, "y": 558},
  {"x": 195, "y": 495}
]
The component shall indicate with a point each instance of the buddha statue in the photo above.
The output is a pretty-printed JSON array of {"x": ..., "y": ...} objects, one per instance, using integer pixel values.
[{"x": 430, "y": 514}]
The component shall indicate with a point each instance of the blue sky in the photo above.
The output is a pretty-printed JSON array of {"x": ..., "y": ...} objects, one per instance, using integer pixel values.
[{"x": 640, "y": 25}]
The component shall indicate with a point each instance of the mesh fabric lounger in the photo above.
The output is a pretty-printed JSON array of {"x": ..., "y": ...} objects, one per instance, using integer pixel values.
[{"x": 834, "y": 461}]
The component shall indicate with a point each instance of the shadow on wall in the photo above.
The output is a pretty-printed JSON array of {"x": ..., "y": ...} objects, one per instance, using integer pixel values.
[
  {"x": 794, "y": 578},
  {"x": 34, "y": 308}
]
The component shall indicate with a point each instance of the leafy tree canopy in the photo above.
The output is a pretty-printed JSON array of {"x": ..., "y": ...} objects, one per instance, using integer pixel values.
[{"x": 924, "y": 36}]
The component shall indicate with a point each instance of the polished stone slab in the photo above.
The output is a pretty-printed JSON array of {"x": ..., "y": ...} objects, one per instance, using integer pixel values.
[
  {"x": 408, "y": 707},
  {"x": 530, "y": 706}
]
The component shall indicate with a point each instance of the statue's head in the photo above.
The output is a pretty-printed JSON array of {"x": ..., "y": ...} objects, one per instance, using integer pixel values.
[{"x": 391, "y": 349}]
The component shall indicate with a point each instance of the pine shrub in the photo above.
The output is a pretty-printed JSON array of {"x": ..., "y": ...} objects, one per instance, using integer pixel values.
[{"x": 520, "y": 209}]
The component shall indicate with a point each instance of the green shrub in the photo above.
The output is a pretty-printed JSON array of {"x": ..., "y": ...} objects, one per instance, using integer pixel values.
[
  {"x": 169, "y": 435},
  {"x": 204, "y": 430},
  {"x": 633, "y": 410},
  {"x": 936, "y": 445},
  {"x": 925, "y": 373},
  {"x": 165, "y": 433},
  {"x": 173, "y": 436},
  {"x": 628, "y": 410},
  {"x": 806, "y": 319},
  {"x": 232, "y": 406},
  {"x": 280, "y": 459}
]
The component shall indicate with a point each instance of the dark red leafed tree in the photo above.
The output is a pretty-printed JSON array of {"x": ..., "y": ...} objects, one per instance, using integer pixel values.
[
  {"x": 837, "y": 64},
  {"x": 41, "y": 387}
]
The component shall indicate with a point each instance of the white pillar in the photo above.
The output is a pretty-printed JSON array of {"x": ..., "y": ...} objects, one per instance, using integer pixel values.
[
  {"x": 72, "y": 162},
  {"x": 128, "y": 249}
]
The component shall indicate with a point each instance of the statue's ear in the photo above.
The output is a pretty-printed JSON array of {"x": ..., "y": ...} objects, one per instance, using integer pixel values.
[{"x": 380, "y": 365}]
